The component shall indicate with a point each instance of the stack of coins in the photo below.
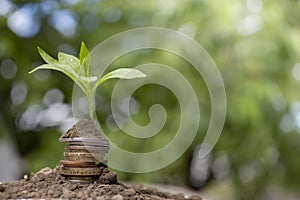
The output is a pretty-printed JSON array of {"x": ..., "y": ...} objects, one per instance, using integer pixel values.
[{"x": 85, "y": 151}]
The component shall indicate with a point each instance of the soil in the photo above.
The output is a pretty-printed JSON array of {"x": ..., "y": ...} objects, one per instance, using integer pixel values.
[
  {"x": 49, "y": 184},
  {"x": 83, "y": 128}
]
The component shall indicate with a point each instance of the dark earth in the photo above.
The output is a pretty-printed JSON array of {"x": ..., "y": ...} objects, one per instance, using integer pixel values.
[
  {"x": 83, "y": 128},
  {"x": 49, "y": 184}
]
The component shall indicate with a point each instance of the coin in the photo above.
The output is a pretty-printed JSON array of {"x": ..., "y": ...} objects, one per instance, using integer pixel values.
[
  {"x": 84, "y": 157},
  {"x": 78, "y": 164},
  {"x": 72, "y": 171},
  {"x": 89, "y": 148},
  {"x": 96, "y": 140},
  {"x": 95, "y": 144},
  {"x": 82, "y": 179}
]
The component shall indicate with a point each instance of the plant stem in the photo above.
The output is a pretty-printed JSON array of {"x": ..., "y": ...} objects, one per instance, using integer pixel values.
[
  {"x": 90, "y": 95},
  {"x": 91, "y": 108}
]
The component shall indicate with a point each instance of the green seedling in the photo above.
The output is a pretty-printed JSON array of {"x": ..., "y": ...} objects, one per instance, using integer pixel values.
[{"x": 79, "y": 71}]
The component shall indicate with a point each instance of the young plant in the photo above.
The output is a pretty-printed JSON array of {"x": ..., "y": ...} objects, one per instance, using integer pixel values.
[{"x": 79, "y": 71}]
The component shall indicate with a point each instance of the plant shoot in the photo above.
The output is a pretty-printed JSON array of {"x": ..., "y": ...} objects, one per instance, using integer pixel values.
[{"x": 79, "y": 71}]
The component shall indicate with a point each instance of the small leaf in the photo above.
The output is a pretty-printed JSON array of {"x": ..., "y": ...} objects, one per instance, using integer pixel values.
[
  {"x": 70, "y": 73},
  {"x": 64, "y": 69},
  {"x": 84, "y": 52},
  {"x": 122, "y": 73},
  {"x": 69, "y": 60},
  {"x": 48, "y": 59},
  {"x": 125, "y": 73},
  {"x": 85, "y": 59}
]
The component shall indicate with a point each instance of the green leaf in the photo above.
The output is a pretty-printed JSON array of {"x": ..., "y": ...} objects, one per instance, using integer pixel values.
[
  {"x": 84, "y": 52},
  {"x": 66, "y": 70},
  {"x": 70, "y": 61},
  {"x": 122, "y": 73},
  {"x": 85, "y": 59},
  {"x": 48, "y": 59}
]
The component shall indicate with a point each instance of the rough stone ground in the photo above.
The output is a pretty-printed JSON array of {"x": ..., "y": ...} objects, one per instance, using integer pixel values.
[{"x": 48, "y": 184}]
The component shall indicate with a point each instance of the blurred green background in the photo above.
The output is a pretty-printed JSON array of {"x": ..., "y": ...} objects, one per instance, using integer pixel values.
[{"x": 255, "y": 44}]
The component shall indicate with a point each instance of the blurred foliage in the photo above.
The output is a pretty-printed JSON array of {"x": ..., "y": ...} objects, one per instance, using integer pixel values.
[{"x": 254, "y": 43}]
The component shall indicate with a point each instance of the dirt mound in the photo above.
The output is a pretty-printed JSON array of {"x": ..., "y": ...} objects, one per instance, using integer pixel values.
[
  {"x": 48, "y": 184},
  {"x": 83, "y": 128}
]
